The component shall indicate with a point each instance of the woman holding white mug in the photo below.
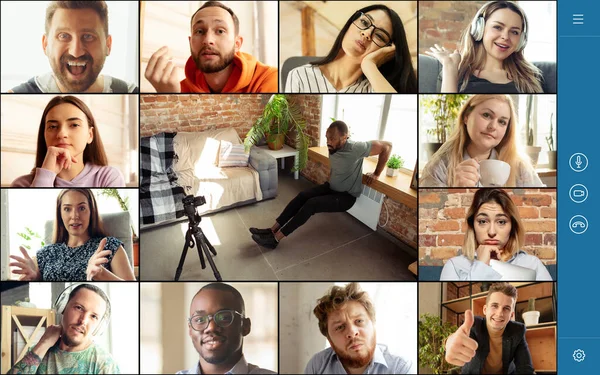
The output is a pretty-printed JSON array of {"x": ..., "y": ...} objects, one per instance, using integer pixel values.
[{"x": 485, "y": 129}]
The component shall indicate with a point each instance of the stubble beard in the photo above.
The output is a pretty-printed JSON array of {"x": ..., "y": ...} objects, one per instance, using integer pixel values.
[
  {"x": 61, "y": 73},
  {"x": 214, "y": 67}
]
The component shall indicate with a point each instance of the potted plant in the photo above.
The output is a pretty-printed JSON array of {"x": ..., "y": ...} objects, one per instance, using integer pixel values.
[
  {"x": 393, "y": 164},
  {"x": 31, "y": 238},
  {"x": 551, "y": 150},
  {"x": 432, "y": 336},
  {"x": 124, "y": 203},
  {"x": 280, "y": 117},
  {"x": 532, "y": 151},
  {"x": 531, "y": 316},
  {"x": 444, "y": 109}
]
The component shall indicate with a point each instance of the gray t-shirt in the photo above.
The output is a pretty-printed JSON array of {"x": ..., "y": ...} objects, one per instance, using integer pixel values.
[{"x": 346, "y": 167}]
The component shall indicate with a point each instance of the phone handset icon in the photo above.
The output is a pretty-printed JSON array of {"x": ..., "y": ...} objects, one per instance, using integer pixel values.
[{"x": 578, "y": 224}]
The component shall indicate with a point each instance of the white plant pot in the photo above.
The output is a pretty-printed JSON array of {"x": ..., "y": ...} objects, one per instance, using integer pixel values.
[
  {"x": 531, "y": 318},
  {"x": 391, "y": 172}
]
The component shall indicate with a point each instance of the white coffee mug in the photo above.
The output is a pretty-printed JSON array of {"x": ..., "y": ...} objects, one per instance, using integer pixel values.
[{"x": 493, "y": 173}]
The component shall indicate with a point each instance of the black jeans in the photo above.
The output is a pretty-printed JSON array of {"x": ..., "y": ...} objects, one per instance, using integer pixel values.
[{"x": 318, "y": 199}]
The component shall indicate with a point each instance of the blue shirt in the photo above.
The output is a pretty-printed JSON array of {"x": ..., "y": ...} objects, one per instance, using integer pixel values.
[
  {"x": 241, "y": 367},
  {"x": 327, "y": 362}
]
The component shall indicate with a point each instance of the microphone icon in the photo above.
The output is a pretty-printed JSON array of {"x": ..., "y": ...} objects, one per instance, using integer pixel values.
[{"x": 578, "y": 162}]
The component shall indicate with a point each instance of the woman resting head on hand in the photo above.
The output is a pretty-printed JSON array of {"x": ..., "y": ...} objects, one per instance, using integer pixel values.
[
  {"x": 494, "y": 232},
  {"x": 70, "y": 152},
  {"x": 486, "y": 128},
  {"x": 370, "y": 54},
  {"x": 491, "y": 57},
  {"x": 80, "y": 248}
]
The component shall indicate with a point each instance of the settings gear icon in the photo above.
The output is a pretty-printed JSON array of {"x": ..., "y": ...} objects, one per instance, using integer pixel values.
[{"x": 579, "y": 355}]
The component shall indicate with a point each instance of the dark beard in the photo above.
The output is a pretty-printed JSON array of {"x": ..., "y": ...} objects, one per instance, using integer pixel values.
[
  {"x": 92, "y": 72},
  {"x": 223, "y": 63},
  {"x": 332, "y": 150}
]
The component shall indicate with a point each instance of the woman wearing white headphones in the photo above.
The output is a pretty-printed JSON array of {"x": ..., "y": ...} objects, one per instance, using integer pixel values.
[{"x": 491, "y": 59}]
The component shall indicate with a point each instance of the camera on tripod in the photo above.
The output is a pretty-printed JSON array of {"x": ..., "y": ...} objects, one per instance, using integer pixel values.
[{"x": 195, "y": 236}]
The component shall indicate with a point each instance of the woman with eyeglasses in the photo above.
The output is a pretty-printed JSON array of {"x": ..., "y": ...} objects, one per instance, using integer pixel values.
[{"x": 370, "y": 54}]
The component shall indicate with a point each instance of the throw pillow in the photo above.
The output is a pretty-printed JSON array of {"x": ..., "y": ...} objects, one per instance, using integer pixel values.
[{"x": 231, "y": 155}]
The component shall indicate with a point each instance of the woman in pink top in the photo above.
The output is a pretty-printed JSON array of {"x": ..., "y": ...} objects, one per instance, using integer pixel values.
[{"x": 69, "y": 149}]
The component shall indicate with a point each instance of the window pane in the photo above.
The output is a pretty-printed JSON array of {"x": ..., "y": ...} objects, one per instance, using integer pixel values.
[
  {"x": 401, "y": 128},
  {"x": 362, "y": 114}
]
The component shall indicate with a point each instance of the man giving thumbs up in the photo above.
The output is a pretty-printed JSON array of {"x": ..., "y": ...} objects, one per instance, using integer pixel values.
[{"x": 494, "y": 344}]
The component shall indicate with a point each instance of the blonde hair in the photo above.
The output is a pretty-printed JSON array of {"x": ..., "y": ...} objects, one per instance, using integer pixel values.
[
  {"x": 453, "y": 149},
  {"x": 526, "y": 76},
  {"x": 517, "y": 231}
]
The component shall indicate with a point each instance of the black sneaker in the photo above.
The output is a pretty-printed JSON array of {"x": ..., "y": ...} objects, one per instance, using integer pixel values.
[
  {"x": 261, "y": 232},
  {"x": 265, "y": 241}
]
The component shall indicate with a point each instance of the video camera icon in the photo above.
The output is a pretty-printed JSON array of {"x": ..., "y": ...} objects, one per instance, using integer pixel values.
[
  {"x": 578, "y": 224},
  {"x": 578, "y": 193}
]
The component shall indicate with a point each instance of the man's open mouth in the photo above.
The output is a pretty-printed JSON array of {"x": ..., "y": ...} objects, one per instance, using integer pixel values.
[
  {"x": 76, "y": 68},
  {"x": 213, "y": 342}
]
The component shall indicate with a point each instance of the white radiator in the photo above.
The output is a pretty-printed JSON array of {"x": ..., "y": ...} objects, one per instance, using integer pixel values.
[{"x": 368, "y": 207}]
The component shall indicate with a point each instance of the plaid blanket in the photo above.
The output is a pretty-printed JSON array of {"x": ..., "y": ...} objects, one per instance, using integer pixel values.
[{"x": 160, "y": 196}]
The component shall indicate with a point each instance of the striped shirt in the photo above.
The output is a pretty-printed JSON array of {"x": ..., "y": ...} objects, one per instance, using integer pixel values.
[{"x": 309, "y": 78}]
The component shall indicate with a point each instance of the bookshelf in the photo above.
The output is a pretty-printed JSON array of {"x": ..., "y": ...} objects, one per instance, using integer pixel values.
[{"x": 24, "y": 323}]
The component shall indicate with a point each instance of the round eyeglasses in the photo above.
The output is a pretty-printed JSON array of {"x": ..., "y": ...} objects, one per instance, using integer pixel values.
[
  {"x": 222, "y": 318},
  {"x": 379, "y": 36}
]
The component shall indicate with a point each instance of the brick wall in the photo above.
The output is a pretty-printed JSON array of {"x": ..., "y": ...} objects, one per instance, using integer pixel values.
[
  {"x": 197, "y": 113},
  {"x": 442, "y": 222},
  {"x": 442, "y": 22}
]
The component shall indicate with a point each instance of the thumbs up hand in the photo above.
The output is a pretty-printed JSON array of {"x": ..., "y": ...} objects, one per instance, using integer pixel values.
[{"x": 460, "y": 348}]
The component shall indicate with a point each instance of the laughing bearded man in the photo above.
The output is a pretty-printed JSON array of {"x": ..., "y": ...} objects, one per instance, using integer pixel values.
[
  {"x": 346, "y": 317},
  {"x": 216, "y": 64},
  {"x": 77, "y": 42}
]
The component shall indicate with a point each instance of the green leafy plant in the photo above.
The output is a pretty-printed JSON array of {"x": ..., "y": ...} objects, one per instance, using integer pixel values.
[
  {"x": 395, "y": 162},
  {"x": 31, "y": 237},
  {"x": 432, "y": 335},
  {"x": 550, "y": 138},
  {"x": 123, "y": 202},
  {"x": 281, "y": 116},
  {"x": 444, "y": 109}
]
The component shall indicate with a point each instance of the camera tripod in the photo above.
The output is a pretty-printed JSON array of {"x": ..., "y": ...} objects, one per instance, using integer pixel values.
[{"x": 195, "y": 233}]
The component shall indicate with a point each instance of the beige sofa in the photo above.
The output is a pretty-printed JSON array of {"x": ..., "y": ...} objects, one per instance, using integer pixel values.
[{"x": 196, "y": 166}]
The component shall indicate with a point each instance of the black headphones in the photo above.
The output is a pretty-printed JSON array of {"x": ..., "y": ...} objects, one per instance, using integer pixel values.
[{"x": 61, "y": 303}]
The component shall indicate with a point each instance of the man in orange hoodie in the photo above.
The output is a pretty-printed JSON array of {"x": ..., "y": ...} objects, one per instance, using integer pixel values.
[{"x": 216, "y": 64}]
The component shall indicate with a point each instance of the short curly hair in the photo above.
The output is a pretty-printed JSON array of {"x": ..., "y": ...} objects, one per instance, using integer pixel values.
[{"x": 336, "y": 297}]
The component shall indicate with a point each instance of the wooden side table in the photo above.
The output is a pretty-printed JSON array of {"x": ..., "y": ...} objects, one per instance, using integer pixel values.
[
  {"x": 282, "y": 154},
  {"x": 22, "y": 317}
]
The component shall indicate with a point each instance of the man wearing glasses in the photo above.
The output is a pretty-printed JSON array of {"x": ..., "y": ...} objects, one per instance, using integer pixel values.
[{"x": 217, "y": 325}]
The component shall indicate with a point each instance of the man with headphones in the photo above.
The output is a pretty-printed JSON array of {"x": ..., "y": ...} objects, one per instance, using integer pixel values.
[
  {"x": 217, "y": 326},
  {"x": 69, "y": 348}
]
